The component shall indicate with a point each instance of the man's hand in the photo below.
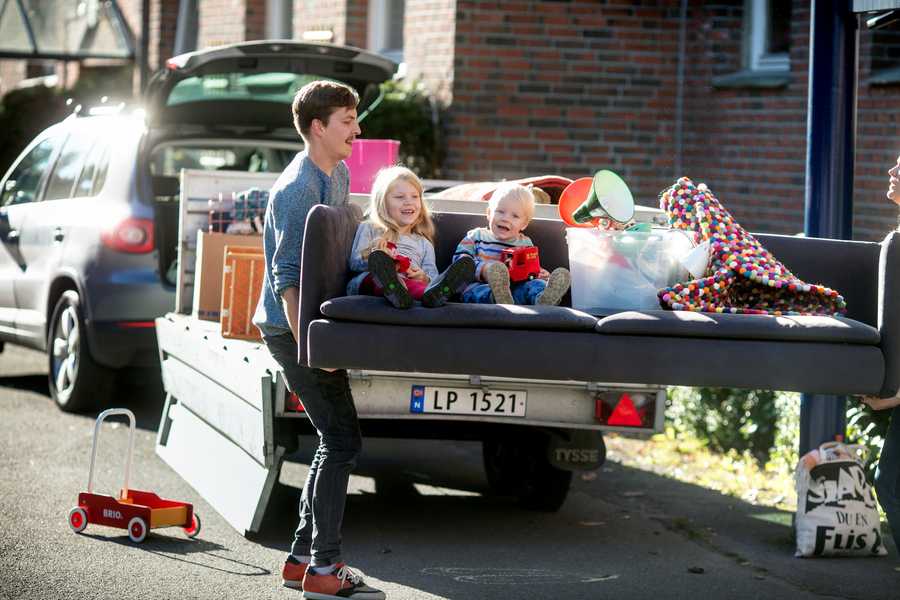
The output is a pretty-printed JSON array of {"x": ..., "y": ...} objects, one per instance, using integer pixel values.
[
  {"x": 290, "y": 300},
  {"x": 418, "y": 274},
  {"x": 876, "y": 403}
]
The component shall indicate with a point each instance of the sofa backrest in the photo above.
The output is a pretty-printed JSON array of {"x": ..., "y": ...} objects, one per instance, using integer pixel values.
[
  {"x": 548, "y": 235},
  {"x": 850, "y": 267}
]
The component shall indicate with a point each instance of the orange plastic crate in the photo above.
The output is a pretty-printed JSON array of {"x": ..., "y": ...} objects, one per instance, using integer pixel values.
[{"x": 242, "y": 279}]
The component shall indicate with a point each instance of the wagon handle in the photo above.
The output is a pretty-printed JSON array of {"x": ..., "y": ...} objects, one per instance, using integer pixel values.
[{"x": 100, "y": 418}]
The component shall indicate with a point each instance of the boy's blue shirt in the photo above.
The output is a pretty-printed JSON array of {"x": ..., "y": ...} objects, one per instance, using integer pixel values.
[{"x": 301, "y": 186}]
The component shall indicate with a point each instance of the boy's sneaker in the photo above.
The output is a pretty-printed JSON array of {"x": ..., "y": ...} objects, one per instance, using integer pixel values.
[
  {"x": 452, "y": 281},
  {"x": 557, "y": 286},
  {"x": 497, "y": 276},
  {"x": 342, "y": 583},
  {"x": 384, "y": 272},
  {"x": 292, "y": 573}
]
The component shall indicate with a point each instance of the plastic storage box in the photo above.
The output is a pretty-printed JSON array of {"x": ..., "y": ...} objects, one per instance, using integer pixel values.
[
  {"x": 368, "y": 157},
  {"x": 613, "y": 271}
]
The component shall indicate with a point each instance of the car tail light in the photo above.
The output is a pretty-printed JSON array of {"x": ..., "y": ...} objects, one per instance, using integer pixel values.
[
  {"x": 131, "y": 235},
  {"x": 293, "y": 403},
  {"x": 626, "y": 409}
]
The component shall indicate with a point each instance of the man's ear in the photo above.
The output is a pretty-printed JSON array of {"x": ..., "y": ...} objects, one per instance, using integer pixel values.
[{"x": 316, "y": 127}]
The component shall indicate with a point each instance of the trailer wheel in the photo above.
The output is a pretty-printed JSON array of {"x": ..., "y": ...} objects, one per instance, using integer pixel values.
[
  {"x": 193, "y": 530},
  {"x": 519, "y": 466},
  {"x": 137, "y": 530},
  {"x": 77, "y": 519}
]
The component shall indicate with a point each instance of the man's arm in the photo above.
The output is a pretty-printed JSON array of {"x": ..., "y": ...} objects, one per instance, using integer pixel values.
[{"x": 290, "y": 300}]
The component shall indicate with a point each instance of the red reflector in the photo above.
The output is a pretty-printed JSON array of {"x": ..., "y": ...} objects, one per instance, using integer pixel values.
[
  {"x": 294, "y": 404},
  {"x": 625, "y": 414},
  {"x": 132, "y": 235},
  {"x": 136, "y": 324}
]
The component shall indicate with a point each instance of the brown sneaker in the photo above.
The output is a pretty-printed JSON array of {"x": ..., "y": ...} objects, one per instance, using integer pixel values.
[
  {"x": 497, "y": 276},
  {"x": 557, "y": 286},
  {"x": 342, "y": 583},
  {"x": 292, "y": 573}
]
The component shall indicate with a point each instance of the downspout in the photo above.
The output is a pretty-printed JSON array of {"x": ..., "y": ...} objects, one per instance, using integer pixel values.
[{"x": 679, "y": 91}]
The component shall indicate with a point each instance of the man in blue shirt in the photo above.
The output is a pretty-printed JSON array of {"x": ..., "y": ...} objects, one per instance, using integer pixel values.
[{"x": 325, "y": 117}]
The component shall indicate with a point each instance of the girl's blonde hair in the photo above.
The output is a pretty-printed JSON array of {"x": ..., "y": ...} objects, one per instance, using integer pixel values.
[
  {"x": 378, "y": 214},
  {"x": 515, "y": 191}
]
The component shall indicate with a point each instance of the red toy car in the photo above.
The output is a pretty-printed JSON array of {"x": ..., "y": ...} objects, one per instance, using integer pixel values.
[
  {"x": 523, "y": 263},
  {"x": 134, "y": 510}
]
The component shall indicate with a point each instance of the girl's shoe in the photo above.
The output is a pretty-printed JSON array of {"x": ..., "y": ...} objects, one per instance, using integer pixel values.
[
  {"x": 557, "y": 286},
  {"x": 497, "y": 276},
  {"x": 452, "y": 281},
  {"x": 384, "y": 272}
]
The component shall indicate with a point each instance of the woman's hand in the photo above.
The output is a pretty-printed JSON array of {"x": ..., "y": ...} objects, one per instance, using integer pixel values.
[
  {"x": 876, "y": 403},
  {"x": 418, "y": 274},
  {"x": 894, "y": 187},
  {"x": 544, "y": 274}
]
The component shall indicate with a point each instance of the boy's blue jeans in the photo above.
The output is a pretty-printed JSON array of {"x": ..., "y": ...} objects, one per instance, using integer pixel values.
[
  {"x": 329, "y": 405},
  {"x": 887, "y": 477},
  {"x": 524, "y": 292}
]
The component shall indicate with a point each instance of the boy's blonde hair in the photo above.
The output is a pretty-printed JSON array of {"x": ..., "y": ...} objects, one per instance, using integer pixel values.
[
  {"x": 515, "y": 191},
  {"x": 378, "y": 214}
]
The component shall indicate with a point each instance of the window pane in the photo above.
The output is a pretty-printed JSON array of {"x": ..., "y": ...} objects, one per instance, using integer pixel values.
[
  {"x": 778, "y": 40},
  {"x": 394, "y": 37},
  {"x": 102, "y": 169},
  {"x": 92, "y": 167},
  {"x": 23, "y": 183},
  {"x": 68, "y": 167},
  {"x": 261, "y": 87},
  {"x": 170, "y": 160}
]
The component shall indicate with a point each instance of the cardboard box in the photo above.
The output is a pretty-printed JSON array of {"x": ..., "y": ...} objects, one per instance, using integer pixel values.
[
  {"x": 209, "y": 268},
  {"x": 245, "y": 268}
]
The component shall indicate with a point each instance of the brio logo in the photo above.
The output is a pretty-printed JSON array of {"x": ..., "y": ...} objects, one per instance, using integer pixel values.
[{"x": 109, "y": 513}]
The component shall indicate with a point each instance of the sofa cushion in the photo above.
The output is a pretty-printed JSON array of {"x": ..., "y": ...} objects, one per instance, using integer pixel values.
[
  {"x": 811, "y": 367},
  {"x": 370, "y": 309},
  {"x": 745, "y": 327}
]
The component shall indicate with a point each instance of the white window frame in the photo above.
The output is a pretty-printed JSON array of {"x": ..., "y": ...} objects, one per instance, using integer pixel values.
[
  {"x": 378, "y": 34},
  {"x": 758, "y": 58}
]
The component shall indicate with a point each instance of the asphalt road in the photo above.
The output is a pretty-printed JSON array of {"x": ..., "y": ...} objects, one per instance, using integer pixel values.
[{"x": 419, "y": 523}]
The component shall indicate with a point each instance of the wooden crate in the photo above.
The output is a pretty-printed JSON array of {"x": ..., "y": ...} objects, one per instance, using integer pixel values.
[{"x": 242, "y": 279}]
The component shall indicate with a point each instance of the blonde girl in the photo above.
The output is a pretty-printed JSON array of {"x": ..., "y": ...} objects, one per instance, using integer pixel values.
[{"x": 393, "y": 251}]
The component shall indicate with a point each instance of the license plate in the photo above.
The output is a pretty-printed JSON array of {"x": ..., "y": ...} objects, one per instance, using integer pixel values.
[{"x": 467, "y": 401}]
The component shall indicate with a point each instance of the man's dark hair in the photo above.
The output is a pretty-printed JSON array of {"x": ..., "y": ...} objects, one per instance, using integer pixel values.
[{"x": 317, "y": 100}]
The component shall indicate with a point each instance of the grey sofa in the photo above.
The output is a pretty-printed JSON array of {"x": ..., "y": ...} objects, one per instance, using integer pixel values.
[{"x": 859, "y": 354}]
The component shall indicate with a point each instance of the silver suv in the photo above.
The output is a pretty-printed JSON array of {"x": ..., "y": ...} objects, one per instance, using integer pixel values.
[{"x": 89, "y": 211}]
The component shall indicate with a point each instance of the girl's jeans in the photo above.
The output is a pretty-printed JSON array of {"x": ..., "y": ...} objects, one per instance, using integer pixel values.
[
  {"x": 887, "y": 477},
  {"x": 524, "y": 292},
  {"x": 328, "y": 404}
]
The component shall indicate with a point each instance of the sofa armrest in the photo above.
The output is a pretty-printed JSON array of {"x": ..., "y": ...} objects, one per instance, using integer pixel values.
[
  {"x": 327, "y": 241},
  {"x": 889, "y": 311}
]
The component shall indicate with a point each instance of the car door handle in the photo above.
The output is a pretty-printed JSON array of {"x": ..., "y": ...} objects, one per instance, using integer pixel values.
[{"x": 58, "y": 235}]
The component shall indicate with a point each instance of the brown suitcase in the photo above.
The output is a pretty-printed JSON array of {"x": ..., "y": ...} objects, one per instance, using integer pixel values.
[{"x": 242, "y": 279}]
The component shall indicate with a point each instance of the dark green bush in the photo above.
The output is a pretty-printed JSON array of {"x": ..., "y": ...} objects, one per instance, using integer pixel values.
[
  {"x": 408, "y": 113},
  {"x": 868, "y": 428},
  {"x": 24, "y": 113},
  {"x": 743, "y": 420}
]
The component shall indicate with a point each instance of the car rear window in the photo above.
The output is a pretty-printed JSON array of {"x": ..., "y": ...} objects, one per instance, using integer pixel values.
[
  {"x": 261, "y": 87},
  {"x": 170, "y": 159}
]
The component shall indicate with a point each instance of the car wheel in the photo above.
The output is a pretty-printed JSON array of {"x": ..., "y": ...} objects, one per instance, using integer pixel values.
[{"x": 77, "y": 383}]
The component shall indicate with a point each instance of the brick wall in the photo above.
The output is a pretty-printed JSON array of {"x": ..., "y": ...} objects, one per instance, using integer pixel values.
[
  {"x": 568, "y": 88},
  {"x": 428, "y": 44},
  {"x": 571, "y": 87}
]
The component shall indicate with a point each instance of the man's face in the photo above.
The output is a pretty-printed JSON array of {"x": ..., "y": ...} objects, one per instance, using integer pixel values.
[{"x": 337, "y": 135}]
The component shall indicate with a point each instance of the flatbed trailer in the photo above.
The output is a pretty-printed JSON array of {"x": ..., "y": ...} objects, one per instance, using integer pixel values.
[{"x": 229, "y": 420}]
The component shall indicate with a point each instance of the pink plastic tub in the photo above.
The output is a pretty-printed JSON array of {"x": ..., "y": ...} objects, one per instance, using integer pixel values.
[{"x": 369, "y": 156}]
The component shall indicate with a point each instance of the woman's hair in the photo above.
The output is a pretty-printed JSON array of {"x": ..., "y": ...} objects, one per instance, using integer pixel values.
[
  {"x": 378, "y": 214},
  {"x": 515, "y": 191}
]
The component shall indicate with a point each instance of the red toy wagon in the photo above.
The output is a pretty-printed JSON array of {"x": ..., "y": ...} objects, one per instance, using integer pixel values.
[{"x": 134, "y": 510}]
